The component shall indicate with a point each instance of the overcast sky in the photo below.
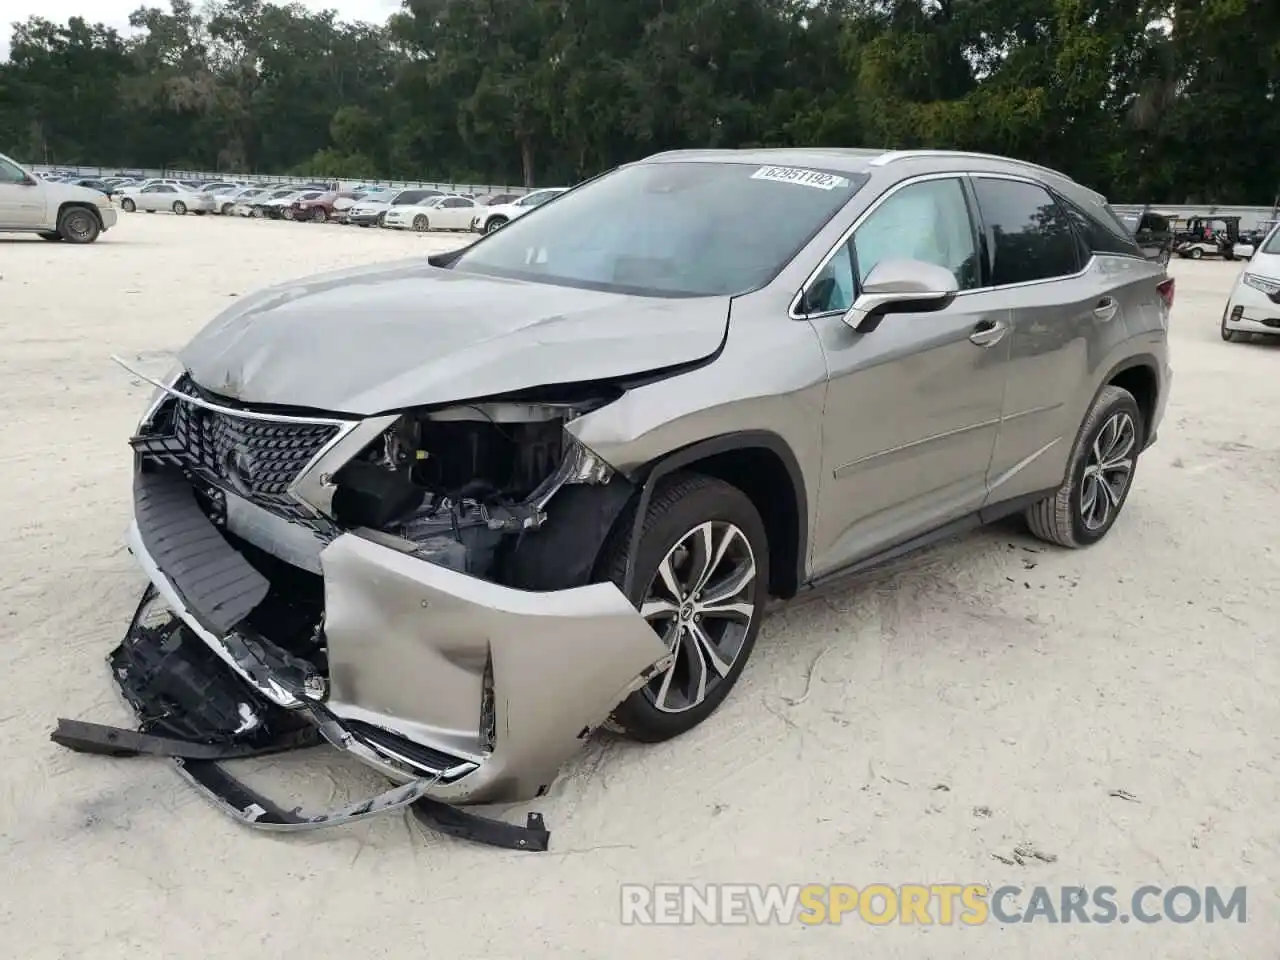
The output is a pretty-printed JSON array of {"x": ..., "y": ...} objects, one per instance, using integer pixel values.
[{"x": 115, "y": 13}]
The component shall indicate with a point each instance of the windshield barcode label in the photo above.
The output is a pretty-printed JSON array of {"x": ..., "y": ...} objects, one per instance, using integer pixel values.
[{"x": 806, "y": 178}]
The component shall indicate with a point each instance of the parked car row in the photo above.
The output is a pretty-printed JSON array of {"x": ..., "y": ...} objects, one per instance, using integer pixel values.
[{"x": 414, "y": 208}]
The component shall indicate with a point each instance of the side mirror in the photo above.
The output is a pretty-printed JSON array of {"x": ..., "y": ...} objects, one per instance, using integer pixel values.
[{"x": 901, "y": 286}]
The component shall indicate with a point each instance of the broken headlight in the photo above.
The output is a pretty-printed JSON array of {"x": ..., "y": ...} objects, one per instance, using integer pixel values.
[{"x": 454, "y": 482}]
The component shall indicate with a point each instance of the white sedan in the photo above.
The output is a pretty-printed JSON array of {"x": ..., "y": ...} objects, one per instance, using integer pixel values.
[
  {"x": 488, "y": 219},
  {"x": 434, "y": 213},
  {"x": 168, "y": 196},
  {"x": 1254, "y": 304}
]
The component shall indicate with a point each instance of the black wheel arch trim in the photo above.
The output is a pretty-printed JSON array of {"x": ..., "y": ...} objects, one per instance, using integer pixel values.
[
  {"x": 1145, "y": 360},
  {"x": 68, "y": 205},
  {"x": 738, "y": 441}
]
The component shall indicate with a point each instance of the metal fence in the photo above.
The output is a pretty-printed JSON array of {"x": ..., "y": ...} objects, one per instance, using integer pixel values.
[
  {"x": 1250, "y": 217},
  {"x": 475, "y": 189}
]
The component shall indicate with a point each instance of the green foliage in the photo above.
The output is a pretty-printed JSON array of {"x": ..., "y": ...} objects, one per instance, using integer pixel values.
[{"x": 1158, "y": 100}]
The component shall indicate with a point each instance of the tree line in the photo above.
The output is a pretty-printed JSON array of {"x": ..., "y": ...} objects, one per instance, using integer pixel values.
[{"x": 1166, "y": 101}]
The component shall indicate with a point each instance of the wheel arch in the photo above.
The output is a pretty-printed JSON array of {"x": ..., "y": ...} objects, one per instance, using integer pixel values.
[
  {"x": 67, "y": 205},
  {"x": 757, "y": 462},
  {"x": 1138, "y": 374}
]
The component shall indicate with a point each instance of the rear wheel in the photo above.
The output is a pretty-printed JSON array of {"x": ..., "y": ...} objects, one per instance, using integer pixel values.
[
  {"x": 1099, "y": 474},
  {"x": 1196, "y": 253},
  {"x": 227, "y": 208},
  {"x": 701, "y": 575},
  {"x": 179, "y": 208}
]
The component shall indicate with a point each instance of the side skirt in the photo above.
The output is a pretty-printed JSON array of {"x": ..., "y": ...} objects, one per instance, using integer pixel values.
[{"x": 954, "y": 528}]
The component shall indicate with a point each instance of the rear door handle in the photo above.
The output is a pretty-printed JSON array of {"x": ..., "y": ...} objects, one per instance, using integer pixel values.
[
  {"x": 989, "y": 332},
  {"x": 1106, "y": 308}
]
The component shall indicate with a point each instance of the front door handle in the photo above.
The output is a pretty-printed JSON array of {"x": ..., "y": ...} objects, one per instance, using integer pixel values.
[
  {"x": 989, "y": 332},
  {"x": 1106, "y": 308}
]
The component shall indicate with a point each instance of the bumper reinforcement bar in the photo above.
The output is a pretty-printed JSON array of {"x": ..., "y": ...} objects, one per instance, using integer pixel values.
[{"x": 200, "y": 763}]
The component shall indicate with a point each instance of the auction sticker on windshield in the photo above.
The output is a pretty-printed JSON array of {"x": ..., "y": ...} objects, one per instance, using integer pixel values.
[{"x": 806, "y": 178}]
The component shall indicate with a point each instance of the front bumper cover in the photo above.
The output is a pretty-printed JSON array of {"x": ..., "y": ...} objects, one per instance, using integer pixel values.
[{"x": 417, "y": 654}]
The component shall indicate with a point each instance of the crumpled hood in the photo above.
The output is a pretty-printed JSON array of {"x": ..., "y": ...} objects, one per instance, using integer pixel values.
[{"x": 377, "y": 339}]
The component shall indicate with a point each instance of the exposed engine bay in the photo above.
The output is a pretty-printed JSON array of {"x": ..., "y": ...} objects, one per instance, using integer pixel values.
[{"x": 458, "y": 484}]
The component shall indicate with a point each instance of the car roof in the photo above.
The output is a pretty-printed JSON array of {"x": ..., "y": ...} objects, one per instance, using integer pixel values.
[{"x": 863, "y": 160}]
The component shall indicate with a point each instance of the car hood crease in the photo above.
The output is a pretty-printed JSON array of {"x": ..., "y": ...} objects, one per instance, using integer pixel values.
[{"x": 375, "y": 339}]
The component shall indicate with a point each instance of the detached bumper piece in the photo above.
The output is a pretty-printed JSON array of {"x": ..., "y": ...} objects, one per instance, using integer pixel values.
[{"x": 192, "y": 709}]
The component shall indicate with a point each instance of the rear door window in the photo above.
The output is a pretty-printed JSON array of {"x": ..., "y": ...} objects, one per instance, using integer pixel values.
[{"x": 1028, "y": 233}]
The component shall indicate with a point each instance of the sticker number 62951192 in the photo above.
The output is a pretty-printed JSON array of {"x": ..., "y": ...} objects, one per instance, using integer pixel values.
[{"x": 805, "y": 178}]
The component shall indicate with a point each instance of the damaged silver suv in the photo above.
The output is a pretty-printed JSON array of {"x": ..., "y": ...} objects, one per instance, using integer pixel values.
[{"x": 454, "y": 514}]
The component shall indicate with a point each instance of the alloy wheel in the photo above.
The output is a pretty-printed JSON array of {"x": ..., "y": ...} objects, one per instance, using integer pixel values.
[
  {"x": 1108, "y": 471},
  {"x": 701, "y": 602}
]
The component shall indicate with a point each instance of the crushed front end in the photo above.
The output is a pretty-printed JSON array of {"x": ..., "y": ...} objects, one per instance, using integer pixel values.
[{"x": 415, "y": 589}]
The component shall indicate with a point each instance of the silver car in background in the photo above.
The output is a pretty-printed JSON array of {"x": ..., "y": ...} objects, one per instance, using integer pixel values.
[
  {"x": 455, "y": 513},
  {"x": 168, "y": 197}
]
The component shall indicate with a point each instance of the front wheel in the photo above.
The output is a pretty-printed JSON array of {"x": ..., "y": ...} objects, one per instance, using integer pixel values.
[
  {"x": 701, "y": 581},
  {"x": 421, "y": 223},
  {"x": 1099, "y": 475},
  {"x": 497, "y": 223},
  {"x": 78, "y": 225},
  {"x": 128, "y": 206},
  {"x": 1196, "y": 253},
  {"x": 319, "y": 215}
]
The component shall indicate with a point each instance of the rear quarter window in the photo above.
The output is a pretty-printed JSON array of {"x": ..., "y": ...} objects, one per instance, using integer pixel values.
[{"x": 1101, "y": 230}]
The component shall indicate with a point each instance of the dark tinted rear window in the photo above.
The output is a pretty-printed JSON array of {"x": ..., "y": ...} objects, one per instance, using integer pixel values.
[{"x": 1100, "y": 237}]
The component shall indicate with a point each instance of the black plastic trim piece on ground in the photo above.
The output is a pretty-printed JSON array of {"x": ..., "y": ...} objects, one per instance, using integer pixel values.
[{"x": 200, "y": 763}]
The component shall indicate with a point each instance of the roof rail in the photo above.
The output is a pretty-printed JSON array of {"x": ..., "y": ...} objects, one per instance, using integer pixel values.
[{"x": 962, "y": 154}]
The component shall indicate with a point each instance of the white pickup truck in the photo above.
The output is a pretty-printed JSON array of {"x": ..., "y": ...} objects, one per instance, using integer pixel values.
[{"x": 55, "y": 211}]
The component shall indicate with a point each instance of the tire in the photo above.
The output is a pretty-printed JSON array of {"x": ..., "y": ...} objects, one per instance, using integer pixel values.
[
  {"x": 382, "y": 219},
  {"x": 496, "y": 223},
  {"x": 1065, "y": 518},
  {"x": 288, "y": 213},
  {"x": 179, "y": 208},
  {"x": 1229, "y": 335},
  {"x": 78, "y": 225},
  {"x": 1195, "y": 253},
  {"x": 128, "y": 206},
  {"x": 227, "y": 208},
  {"x": 319, "y": 215},
  {"x": 421, "y": 223},
  {"x": 684, "y": 506}
]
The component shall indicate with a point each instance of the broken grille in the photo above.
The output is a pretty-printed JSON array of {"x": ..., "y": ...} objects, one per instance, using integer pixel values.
[{"x": 257, "y": 458}]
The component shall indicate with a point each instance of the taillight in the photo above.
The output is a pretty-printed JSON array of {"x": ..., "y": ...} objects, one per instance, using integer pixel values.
[{"x": 1166, "y": 289}]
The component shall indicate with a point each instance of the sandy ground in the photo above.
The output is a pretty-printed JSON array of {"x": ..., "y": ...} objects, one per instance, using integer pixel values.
[{"x": 983, "y": 694}]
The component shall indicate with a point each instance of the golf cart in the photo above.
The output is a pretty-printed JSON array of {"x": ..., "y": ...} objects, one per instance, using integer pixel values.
[{"x": 1207, "y": 237}]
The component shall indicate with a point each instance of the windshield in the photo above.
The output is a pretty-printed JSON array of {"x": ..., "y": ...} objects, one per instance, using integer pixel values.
[
  {"x": 1272, "y": 244},
  {"x": 675, "y": 229}
]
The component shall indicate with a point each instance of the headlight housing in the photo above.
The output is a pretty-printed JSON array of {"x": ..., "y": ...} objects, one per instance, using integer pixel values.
[{"x": 1262, "y": 284}]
